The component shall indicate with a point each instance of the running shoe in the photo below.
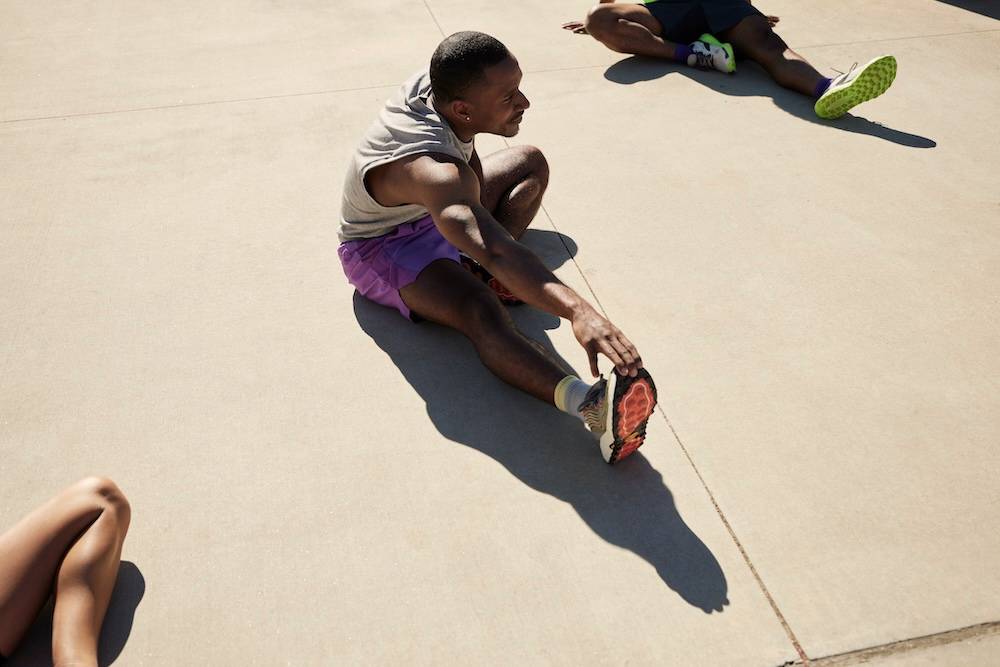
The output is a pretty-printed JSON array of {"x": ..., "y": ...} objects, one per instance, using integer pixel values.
[
  {"x": 729, "y": 62},
  {"x": 478, "y": 270},
  {"x": 858, "y": 85},
  {"x": 616, "y": 411}
]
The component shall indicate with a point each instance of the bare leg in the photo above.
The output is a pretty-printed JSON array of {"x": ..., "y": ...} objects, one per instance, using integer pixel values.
[
  {"x": 446, "y": 293},
  {"x": 753, "y": 38},
  {"x": 514, "y": 182},
  {"x": 628, "y": 29},
  {"x": 72, "y": 544}
]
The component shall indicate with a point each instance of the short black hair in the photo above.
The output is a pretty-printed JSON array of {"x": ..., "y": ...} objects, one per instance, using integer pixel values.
[{"x": 460, "y": 60}]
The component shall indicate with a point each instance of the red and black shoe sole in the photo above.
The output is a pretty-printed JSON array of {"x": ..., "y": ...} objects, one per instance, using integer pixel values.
[
  {"x": 506, "y": 297},
  {"x": 632, "y": 405}
]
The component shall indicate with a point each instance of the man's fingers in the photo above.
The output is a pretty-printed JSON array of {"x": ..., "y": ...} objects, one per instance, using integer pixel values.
[
  {"x": 576, "y": 26},
  {"x": 633, "y": 353},
  {"x": 592, "y": 355},
  {"x": 611, "y": 353},
  {"x": 627, "y": 357}
]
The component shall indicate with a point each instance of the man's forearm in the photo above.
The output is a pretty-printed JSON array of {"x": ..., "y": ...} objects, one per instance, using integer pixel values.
[
  {"x": 485, "y": 240},
  {"x": 524, "y": 274}
]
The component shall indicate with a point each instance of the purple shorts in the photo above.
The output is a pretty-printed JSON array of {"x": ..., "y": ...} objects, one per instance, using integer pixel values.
[{"x": 380, "y": 267}]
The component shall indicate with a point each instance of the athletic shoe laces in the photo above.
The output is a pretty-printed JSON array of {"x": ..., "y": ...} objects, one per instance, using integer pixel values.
[{"x": 844, "y": 76}]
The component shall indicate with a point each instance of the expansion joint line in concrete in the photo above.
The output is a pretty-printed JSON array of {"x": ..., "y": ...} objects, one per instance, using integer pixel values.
[
  {"x": 803, "y": 658},
  {"x": 182, "y": 105},
  {"x": 435, "y": 18},
  {"x": 864, "y": 655}
]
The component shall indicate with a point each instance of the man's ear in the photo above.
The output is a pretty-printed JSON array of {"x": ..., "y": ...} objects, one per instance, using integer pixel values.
[{"x": 462, "y": 109}]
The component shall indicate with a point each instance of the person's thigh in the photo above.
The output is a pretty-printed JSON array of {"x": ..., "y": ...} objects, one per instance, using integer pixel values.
[
  {"x": 448, "y": 294},
  {"x": 30, "y": 553},
  {"x": 505, "y": 169},
  {"x": 753, "y": 38},
  {"x": 606, "y": 15}
]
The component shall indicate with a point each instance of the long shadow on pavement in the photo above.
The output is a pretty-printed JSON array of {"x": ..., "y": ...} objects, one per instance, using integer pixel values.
[
  {"x": 627, "y": 505},
  {"x": 990, "y": 8},
  {"x": 35, "y": 649},
  {"x": 752, "y": 81}
]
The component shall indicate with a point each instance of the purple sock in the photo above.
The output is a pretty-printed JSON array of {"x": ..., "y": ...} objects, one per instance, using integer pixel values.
[
  {"x": 681, "y": 53},
  {"x": 821, "y": 87}
]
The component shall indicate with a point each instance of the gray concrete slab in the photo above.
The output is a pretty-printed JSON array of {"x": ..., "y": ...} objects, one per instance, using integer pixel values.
[
  {"x": 815, "y": 300},
  {"x": 818, "y": 308},
  {"x": 61, "y": 58},
  {"x": 312, "y": 478}
]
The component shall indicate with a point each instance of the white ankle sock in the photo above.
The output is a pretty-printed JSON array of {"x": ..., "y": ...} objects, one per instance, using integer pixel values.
[{"x": 570, "y": 393}]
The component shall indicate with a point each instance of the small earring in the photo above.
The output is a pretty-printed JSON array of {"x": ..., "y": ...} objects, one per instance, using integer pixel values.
[{"x": 467, "y": 119}]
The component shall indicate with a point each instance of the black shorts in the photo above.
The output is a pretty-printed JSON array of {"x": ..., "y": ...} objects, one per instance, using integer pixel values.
[{"x": 684, "y": 21}]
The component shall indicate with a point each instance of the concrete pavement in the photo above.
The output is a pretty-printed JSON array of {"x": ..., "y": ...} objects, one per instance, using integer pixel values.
[{"x": 316, "y": 482}]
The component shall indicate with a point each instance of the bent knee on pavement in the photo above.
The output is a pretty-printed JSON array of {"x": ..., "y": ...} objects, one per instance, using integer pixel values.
[
  {"x": 601, "y": 20},
  {"x": 103, "y": 494}
]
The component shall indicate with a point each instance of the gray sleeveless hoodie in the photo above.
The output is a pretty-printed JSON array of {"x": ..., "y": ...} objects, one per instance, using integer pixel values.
[{"x": 407, "y": 125}]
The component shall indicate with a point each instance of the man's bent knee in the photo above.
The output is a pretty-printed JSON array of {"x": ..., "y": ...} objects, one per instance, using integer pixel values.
[
  {"x": 601, "y": 21},
  {"x": 537, "y": 163},
  {"x": 105, "y": 495}
]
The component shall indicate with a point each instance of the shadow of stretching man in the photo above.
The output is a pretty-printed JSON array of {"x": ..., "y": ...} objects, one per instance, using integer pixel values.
[
  {"x": 431, "y": 230},
  {"x": 685, "y": 31},
  {"x": 629, "y": 507}
]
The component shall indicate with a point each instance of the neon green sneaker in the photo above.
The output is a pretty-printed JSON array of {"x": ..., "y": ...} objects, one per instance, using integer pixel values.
[
  {"x": 729, "y": 63},
  {"x": 858, "y": 85}
]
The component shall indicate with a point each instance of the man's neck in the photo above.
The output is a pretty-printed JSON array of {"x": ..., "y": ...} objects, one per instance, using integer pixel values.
[{"x": 452, "y": 122}]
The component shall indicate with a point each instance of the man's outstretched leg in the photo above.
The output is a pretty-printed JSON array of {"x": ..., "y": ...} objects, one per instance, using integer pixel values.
[
  {"x": 753, "y": 38},
  {"x": 615, "y": 411}
]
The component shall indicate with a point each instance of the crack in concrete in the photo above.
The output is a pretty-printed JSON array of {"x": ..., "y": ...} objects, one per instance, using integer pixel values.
[
  {"x": 803, "y": 658},
  {"x": 182, "y": 105},
  {"x": 375, "y": 87},
  {"x": 860, "y": 656}
]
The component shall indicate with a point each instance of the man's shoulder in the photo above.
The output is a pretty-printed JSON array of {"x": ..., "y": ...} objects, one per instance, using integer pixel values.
[{"x": 426, "y": 166}]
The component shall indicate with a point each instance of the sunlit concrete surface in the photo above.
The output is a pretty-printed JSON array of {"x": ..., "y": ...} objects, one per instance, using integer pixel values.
[{"x": 315, "y": 481}]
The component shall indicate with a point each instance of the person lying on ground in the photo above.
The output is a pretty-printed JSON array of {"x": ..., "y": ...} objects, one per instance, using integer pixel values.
[{"x": 709, "y": 33}]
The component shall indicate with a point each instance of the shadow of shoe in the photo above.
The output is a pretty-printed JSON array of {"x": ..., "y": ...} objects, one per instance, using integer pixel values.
[
  {"x": 752, "y": 81},
  {"x": 627, "y": 505},
  {"x": 35, "y": 649}
]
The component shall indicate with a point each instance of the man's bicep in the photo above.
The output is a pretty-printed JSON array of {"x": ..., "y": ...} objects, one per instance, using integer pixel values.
[
  {"x": 439, "y": 183},
  {"x": 451, "y": 194}
]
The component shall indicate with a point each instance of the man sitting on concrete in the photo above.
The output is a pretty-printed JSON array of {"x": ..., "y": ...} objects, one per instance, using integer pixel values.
[
  {"x": 418, "y": 204},
  {"x": 685, "y": 31}
]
